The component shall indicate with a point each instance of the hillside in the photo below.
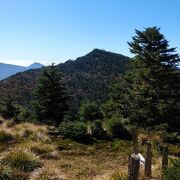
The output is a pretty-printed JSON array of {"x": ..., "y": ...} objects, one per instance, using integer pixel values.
[
  {"x": 7, "y": 70},
  {"x": 87, "y": 77}
]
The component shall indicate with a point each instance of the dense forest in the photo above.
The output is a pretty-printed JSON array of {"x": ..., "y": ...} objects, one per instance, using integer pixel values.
[{"x": 87, "y": 77}]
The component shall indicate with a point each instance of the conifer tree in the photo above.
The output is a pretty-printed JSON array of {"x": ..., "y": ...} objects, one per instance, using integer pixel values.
[
  {"x": 7, "y": 108},
  {"x": 50, "y": 97},
  {"x": 149, "y": 94},
  {"x": 154, "y": 82}
]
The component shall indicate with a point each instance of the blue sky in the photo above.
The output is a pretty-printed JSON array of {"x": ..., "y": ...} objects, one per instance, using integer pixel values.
[{"x": 57, "y": 30}]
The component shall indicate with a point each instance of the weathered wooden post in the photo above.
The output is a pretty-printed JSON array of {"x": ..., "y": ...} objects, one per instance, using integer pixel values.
[
  {"x": 135, "y": 140},
  {"x": 148, "y": 160},
  {"x": 134, "y": 163},
  {"x": 134, "y": 160},
  {"x": 165, "y": 154}
]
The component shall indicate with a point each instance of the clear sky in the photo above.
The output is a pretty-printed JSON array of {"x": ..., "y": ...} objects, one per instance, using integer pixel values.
[{"x": 57, "y": 30}]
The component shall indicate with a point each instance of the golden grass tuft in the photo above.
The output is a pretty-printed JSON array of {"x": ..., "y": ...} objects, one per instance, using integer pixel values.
[
  {"x": 21, "y": 159},
  {"x": 29, "y": 131},
  {"x": 43, "y": 150},
  {"x": 47, "y": 172}
]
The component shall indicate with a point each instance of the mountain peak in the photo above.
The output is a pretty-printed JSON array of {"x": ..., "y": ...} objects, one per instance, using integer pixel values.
[
  {"x": 7, "y": 70},
  {"x": 97, "y": 51},
  {"x": 35, "y": 65}
]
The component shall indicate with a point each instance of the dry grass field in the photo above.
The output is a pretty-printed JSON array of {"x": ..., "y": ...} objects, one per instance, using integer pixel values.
[{"x": 27, "y": 152}]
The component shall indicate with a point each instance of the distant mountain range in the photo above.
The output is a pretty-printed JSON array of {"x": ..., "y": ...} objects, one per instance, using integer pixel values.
[{"x": 7, "y": 70}]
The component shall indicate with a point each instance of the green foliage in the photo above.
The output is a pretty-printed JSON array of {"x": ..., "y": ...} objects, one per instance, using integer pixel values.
[
  {"x": 22, "y": 160},
  {"x": 7, "y": 108},
  {"x": 90, "y": 111},
  {"x": 25, "y": 115},
  {"x": 50, "y": 97},
  {"x": 97, "y": 130},
  {"x": 117, "y": 127},
  {"x": 148, "y": 94},
  {"x": 173, "y": 172},
  {"x": 154, "y": 90},
  {"x": 173, "y": 138},
  {"x": 110, "y": 108},
  {"x": 74, "y": 130}
]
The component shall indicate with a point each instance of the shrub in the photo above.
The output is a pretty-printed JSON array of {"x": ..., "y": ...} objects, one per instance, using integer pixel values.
[
  {"x": 74, "y": 130},
  {"x": 22, "y": 160},
  {"x": 97, "y": 130},
  {"x": 24, "y": 115},
  {"x": 5, "y": 137},
  {"x": 8, "y": 109},
  {"x": 90, "y": 111},
  {"x": 118, "y": 128},
  {"x": 173, "y": 172},
  {"x": 172, "y": 138}
]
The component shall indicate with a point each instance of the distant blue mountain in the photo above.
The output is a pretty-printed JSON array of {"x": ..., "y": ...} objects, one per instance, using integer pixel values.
[
  {"x": 35, "y": 65},
  {"x": 7, "y": 70}
]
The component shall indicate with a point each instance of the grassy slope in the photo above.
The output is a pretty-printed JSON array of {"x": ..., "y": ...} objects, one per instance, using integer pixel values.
[{"x": 65, "y": 159}]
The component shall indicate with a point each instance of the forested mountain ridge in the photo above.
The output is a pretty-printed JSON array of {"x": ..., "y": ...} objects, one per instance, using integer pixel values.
[{"x": 87, "y": 77}]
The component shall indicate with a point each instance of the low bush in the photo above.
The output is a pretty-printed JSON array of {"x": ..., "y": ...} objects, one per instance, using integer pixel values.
[
  {"x": 97, "y": 130},
  {"x": 8, "y": 108},
  {"x": 172, "y": 138},
  {"x": 173, "y": 172},
  {"x": 174, "y": 150},
  {"x": 117, "y": 127},
  {"x": 25, "y": 115},
  {"x": 74, "y": 130},
  {"x": 90, "y": 111},
  {"x": 22, "y": 160}
]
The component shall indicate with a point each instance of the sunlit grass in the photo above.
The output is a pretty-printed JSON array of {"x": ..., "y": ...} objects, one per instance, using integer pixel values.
[
  {"x": 21, "y": 159},
  {"x": 47, "y": 172},
  {"x": 30, "y": 153}
]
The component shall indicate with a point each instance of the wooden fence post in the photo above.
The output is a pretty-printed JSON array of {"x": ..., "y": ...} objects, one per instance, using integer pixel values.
[
  {"x": 148, "y": 160},
  {"x": 165, "y": 154},
  {"x": 134, "y": 163},
  {"x": 135, "y": 140}
]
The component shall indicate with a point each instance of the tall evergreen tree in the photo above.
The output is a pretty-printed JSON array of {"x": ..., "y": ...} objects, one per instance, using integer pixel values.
[
  {"x": 149, "y": 94},
  {"x": 155, "y": 89},
  {"x": 50, "y": 97}
]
